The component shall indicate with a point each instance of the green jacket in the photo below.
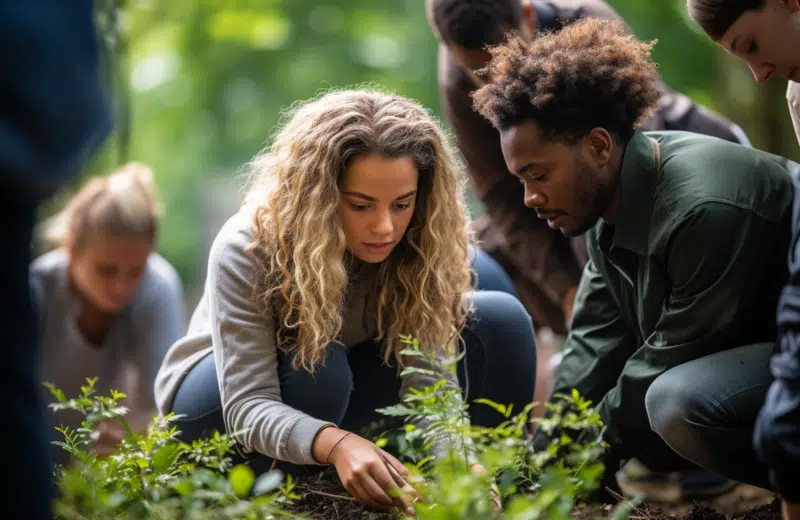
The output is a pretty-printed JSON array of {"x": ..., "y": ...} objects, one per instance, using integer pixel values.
[{"x": 693, "y": 266}]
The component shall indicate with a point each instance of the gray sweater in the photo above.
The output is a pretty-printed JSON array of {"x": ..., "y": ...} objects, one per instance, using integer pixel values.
[
  {"x": 134, "y": 346},
  {"x": 228, "y": 323}
]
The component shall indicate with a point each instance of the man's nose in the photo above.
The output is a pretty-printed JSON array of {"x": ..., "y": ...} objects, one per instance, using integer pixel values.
[{"x": 534, "y": 199}]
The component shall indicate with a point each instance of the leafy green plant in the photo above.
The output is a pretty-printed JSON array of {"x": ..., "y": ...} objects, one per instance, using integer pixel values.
[
  {"x": 486, "y": 473},
  {"x": 492, "y": 472},
  {"x": 154, "y": 475}
]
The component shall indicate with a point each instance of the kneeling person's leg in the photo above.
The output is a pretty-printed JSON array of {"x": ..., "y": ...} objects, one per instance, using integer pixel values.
[
  {"x": 705, "y": 410},
  {"x": 500, "y": 360},
  {"x": 490, "y": 275},
  {"x": 323, "y": 395}
]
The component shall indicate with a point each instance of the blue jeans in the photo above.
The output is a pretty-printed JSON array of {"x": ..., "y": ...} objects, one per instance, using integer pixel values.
[
  {"x": 704, "y": 411},
  {"x": 489, "y": 275},
  {"x": 500, "y": 364}
]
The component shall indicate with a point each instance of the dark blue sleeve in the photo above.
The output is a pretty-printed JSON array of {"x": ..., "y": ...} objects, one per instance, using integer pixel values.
[
  {"x": 777, "y": 433},
  {"x": 53, "y": 109}
]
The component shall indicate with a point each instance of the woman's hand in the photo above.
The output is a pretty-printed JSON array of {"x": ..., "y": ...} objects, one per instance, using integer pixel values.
[
  {"x": 369, "y": 474},
  {"x": 362, "y": 468}
]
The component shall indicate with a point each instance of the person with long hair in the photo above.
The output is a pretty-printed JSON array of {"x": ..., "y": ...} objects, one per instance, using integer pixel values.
[
  {"x": 108, "y": 306},
  {"x": 353, "y": 233}
]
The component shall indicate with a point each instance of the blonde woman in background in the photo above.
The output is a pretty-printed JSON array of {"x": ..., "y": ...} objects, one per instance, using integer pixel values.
[
  {"x": 354, "y": 232},
  {"x": 108, "y": 306}
]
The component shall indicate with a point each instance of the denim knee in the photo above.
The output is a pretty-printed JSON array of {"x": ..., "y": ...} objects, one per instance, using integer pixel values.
[
  {"x": 501, "y": 319},
  {"x": 671, "y": 404},
  {"x": 488, "y": 275},
  {"x": 501, "y": 354},
  {"x": 324, "y": 394}
]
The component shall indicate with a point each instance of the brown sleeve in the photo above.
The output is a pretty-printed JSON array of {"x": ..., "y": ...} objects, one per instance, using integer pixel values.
[
  {"x": 675, "y": 110},
  {"x": 543, "y": 255},
  {"x": 592, "y": 8}
]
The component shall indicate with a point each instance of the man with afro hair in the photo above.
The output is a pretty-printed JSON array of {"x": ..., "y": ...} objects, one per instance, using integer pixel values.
[
  {"x": 674, "y": 319},
  {"x": 544, "y": 265}
]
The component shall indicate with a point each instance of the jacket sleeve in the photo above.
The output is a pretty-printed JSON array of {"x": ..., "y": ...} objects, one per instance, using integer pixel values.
[
  {"x": 598, "y": 345},
  {"x": 713, "y": 293},
  {"x": 777, "y": 433}
]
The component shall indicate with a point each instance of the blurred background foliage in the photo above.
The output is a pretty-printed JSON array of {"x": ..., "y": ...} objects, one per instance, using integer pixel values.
[{"x": 200, "y": 85}]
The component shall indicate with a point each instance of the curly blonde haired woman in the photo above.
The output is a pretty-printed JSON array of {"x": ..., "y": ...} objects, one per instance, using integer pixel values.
[
  {"x": 354, "y": 232},
  {"x": 108, "y": 306}
]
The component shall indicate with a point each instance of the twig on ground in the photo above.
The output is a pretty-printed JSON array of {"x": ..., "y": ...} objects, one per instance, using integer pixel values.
[{"x": 329, "y": 495}]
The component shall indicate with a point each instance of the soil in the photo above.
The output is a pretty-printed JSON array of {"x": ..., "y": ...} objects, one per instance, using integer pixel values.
[{"x": 325, "y": 499}]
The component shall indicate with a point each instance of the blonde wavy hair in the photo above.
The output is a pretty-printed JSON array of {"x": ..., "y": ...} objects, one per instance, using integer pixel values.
[
  {"x": 124, "y": 202},
  {"x": 295, "y": 192}
]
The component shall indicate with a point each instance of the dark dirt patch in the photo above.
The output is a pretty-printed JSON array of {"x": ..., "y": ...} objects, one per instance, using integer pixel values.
[{"x": 325, "y": 499}]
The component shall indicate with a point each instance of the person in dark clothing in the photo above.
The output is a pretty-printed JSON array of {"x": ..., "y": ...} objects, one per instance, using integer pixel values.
[
  {"x": 765, "y": 34},
  {"x": 544, "y": 265},
  {"x": 674, "y": 319},
  {"x": 53, "y": 115},
  {"x": 777, "y": 434}
]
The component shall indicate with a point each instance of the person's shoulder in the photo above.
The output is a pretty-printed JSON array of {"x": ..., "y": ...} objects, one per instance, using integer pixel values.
[
  {"x": 699, "y": 168},
  {"x": 232, "y": 248},
  {"x": 161, "y": 275},
  {"x": 237, "y": 233},
  {"x": 793, "y": 97},
  {"x": 50, "y": 265},
  {"x": 793, "y": 92},
  {"x": 689, "y": 151}
]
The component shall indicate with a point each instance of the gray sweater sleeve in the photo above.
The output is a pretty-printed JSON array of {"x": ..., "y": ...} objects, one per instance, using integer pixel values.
[{"x": 246, "y": 357}]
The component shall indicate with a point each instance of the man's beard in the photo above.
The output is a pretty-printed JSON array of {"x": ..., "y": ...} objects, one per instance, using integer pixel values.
[{"x": 592, "y": 196}]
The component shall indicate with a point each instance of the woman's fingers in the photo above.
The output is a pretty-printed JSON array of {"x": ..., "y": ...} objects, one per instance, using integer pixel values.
[
  {"x": 396, "y": 464},
  {"x": 380, "y": 483},
  {"x": 360, "y": 492}
]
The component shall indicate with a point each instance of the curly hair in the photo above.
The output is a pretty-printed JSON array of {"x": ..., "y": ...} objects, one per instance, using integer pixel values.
[
  {"x": 592, "y": 73},
  {"x": 473, "y": 24},
  {"x": 295, "y": 191},
  {"x": 715, "y": 17}
]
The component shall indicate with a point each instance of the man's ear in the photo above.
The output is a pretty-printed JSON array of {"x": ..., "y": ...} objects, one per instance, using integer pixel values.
[{"x": 601, "y": 145}]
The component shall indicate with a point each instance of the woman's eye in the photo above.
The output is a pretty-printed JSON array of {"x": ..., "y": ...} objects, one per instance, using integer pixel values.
[
  {"x": 403, "y": 205},
  {"x": 360, "y": 207}
]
